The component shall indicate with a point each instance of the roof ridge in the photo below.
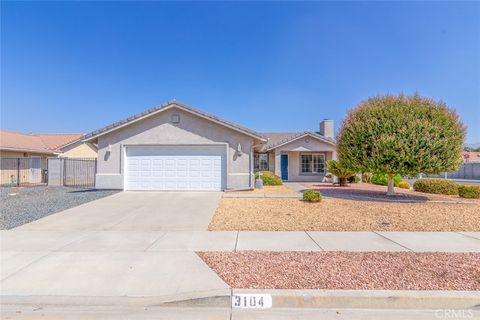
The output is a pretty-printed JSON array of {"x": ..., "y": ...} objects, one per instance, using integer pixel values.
[
  {"x": 57, "y": 134},
  {"x": 17, "y": 132}
]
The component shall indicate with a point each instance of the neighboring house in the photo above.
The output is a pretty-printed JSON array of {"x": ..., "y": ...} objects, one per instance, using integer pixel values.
[
  {"x": 78, "y": 149},
  {"x": 177, "y": 147},
  {"x": 23, "y": 157},
  {"x": 29, "y": 145},
  {"x": 471, "y": 156}
]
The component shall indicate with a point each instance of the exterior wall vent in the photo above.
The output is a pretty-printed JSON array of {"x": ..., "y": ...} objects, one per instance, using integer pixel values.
[{"x": 175, "y": 118}]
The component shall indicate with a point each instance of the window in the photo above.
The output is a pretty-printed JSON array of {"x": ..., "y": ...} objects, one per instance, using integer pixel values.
[
  {"x": 260, "y": 161},
  {"x": 312, "y": 163}
]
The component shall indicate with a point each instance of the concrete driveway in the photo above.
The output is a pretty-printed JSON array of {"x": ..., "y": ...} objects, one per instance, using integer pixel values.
[
  {"x": 136, "y": 211},
  {"x": 131, "y": 245}
]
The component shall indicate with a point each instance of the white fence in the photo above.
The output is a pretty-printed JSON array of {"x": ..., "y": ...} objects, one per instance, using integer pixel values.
[{"x": 468, "y": 171}]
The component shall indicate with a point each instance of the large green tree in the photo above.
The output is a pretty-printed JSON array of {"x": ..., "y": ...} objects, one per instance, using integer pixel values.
[{"x": 404, "y": 135}]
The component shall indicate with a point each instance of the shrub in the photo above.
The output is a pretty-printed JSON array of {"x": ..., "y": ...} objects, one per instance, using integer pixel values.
[
  {"x": 269, "y": 178},
  {"x": 404, "y": 185},
  {"x": 381, "y": 179},
  {"x": 312, "y": 196},
  {"x": 470, "y": 192},
  {"x": 340, "y": 171},
  {"x": 367, "y": 177},
  {"x": 438, "y": 186}
]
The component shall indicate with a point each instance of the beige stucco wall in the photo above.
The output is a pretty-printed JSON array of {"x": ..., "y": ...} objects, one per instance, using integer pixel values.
[
  {"x": 158, "y": 130},
  {"x": 271, "y": 161},
  {"x": 294, "y": 149},
  {"x": 79, "y": 150},
  {"x": 20, "y": 154}
]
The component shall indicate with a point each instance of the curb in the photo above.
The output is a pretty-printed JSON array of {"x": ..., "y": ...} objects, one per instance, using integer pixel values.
[
  {"x": 281, "y": 299},
  {"x": 369, "y": 299}
]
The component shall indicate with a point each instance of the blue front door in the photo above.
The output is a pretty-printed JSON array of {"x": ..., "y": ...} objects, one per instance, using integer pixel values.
[{"x": 284, "y": 166}]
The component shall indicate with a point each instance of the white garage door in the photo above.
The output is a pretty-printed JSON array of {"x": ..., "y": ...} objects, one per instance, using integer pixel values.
[{"x": 176, "y": 168}]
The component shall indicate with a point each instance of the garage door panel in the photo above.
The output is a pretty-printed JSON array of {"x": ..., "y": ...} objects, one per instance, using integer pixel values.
[{"x": 177, "y": 169}]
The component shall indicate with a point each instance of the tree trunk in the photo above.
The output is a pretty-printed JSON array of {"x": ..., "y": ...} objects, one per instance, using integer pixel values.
[
  {"x": 390, "y": 190},
  {"x": 343, "y": 182}
]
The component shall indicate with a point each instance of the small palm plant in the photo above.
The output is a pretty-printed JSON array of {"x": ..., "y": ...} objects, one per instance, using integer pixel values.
[{"x": 341, "y": 172}]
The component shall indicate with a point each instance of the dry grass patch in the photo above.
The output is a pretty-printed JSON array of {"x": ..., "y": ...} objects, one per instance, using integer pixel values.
[
  {"x": 347, "y": 270},
  {"x": 343, "y": 215}
]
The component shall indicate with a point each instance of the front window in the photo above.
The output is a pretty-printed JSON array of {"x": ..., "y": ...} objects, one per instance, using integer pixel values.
[
  {"x": 260, "y": 161},
  {"x": 312, "y": 163}
]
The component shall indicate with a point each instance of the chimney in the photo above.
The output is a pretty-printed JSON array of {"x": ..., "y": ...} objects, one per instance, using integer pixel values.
[{"x": 326, "y": 128}]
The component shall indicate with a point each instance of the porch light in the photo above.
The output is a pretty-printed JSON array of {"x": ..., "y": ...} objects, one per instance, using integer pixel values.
[{"x": 239, "y": 150}]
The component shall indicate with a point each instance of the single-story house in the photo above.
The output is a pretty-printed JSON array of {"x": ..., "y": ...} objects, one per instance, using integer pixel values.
[
  {"x": 471, "y": 156},
  {"x": 23, "y": 157},
  {"x": 176, "y": 147}
]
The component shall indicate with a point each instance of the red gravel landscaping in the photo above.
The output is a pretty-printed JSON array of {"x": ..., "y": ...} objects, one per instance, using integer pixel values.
[{"x": 347, "y": 270}]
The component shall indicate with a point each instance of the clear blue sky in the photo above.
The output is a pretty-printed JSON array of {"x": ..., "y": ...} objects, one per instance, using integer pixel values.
[{"x": 75, "y": 67}]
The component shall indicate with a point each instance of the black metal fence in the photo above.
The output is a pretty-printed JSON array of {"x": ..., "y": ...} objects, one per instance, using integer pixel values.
[
  {"x": 23, "y": 172},
  {"x": 79, "y": 172}
]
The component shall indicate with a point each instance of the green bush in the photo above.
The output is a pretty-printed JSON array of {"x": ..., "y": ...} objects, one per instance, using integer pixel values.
[
  {"x": 381, "y": 179},
  {"x": 269, "y": 178},
  {"x": 340, "y": 171},
  {"x": 470, "y": 192},
  {"x": 438, "y": 186},
  {"x": 404, "y": 185},
  {"x": 312, "y": 196}
]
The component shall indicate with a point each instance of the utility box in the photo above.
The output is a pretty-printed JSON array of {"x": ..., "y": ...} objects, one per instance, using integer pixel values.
[{"x": 259, "y": 183}]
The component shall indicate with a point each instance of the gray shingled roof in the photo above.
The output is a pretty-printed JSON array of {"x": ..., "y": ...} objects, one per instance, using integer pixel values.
[
  {"x": 278, "y": 138},
  {"x": 165, "y": 106}
]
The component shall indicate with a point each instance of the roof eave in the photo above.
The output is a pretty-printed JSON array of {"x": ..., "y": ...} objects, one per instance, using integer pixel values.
[
  {"x": 69, "y": 143},
  {"x": 28, "y": 150},
  {"x": 333, "y": 143}
]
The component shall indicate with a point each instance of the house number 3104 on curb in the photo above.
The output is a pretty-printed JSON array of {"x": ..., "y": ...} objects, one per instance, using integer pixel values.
[{"x": 252, "y": 301}]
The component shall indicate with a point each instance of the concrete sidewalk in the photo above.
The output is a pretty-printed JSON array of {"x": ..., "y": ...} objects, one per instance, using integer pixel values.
[
  {"x": 154, "y": 267},
  {"x": 156, "y": 241},
  {"x": 140, "y": 241}
]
